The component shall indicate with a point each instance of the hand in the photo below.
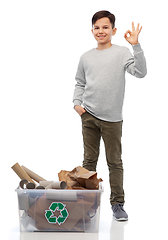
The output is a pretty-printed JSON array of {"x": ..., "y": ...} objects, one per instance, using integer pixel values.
[
  {"x": 79, "y": 109},
  {"x": 133, "y": 36}
]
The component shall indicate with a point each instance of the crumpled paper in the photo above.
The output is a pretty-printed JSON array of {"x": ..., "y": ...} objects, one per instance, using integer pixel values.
[{"x": 80, "y": 178}]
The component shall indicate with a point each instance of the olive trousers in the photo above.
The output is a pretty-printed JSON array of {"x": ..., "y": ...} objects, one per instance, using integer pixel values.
[{"x": 93, "y": 129}]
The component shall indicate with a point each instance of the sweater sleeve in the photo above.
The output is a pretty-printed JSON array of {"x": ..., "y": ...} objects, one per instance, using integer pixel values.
[
  {"x": 135, "y": 65},
  {"x": 80, "y": 85}
]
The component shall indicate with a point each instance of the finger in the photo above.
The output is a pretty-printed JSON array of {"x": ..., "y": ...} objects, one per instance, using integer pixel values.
[
  {"x": 127, "y": 32},
  {"x": 140, "y": 29},
  {"x": 133, "y": 27},
  {"x": 82, "y": 111},
  {"x": 125, "y": 36},
  {"x": 137, "y": 29}
]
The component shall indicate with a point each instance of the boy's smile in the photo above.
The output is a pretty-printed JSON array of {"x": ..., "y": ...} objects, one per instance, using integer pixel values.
[{"x": 103, "y": 32}]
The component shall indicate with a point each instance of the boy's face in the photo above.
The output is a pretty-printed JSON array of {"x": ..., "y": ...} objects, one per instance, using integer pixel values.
[{"x": 102, "y": 30}]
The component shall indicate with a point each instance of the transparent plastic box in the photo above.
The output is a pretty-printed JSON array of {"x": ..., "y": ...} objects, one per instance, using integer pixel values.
[{"x": 59, "y": 210}]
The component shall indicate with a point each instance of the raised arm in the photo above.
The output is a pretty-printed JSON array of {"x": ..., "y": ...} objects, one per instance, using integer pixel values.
[{"x": 135, "y": 65}]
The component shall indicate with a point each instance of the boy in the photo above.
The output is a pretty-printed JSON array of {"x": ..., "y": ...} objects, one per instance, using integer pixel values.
[{"x": 100, "y": 89}]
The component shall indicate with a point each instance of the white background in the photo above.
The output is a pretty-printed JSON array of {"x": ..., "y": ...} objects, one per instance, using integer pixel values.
[{"x": 40, "y": 46}]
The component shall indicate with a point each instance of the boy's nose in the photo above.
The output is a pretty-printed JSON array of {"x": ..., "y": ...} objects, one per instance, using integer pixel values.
[{"x": 100, "y": 30}]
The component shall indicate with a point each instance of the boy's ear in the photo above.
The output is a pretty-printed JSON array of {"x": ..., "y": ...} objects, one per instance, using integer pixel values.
[
  {"x": 92, "y": 30},
  {"x": 114, "y": 31}
]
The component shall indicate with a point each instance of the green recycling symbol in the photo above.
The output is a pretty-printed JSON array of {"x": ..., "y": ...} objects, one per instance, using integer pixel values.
[{"x": 63, "y": 213}]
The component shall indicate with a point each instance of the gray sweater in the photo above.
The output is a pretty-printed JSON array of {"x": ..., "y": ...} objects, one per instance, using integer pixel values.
[{"x": 100, "y": 80}]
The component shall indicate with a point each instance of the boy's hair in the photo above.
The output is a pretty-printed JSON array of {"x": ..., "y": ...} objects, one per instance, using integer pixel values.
[{"x": 102, "y": 14}]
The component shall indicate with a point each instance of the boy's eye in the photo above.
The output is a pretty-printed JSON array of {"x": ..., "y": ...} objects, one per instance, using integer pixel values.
[{"x": 105, "y": 27}]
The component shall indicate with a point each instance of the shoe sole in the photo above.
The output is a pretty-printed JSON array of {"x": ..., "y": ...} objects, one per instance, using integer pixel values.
[{"x": 120, "y": 219}]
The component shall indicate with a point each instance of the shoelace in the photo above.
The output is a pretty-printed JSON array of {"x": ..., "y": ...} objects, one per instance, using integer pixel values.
[{"x": 118, "y": 207}]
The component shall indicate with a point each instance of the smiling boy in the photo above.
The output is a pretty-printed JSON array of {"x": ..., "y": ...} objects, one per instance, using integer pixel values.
[{"x": 99, "y": 95}]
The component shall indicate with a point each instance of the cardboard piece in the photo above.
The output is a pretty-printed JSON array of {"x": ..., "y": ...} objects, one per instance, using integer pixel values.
[
  {"x": 21, "y": 173},
  {"x": 33, "y": 175},
  {"x": 78, "y": 213},
  {"x": 63, "y": 176},
  {"x": 57, "y": 185},
  {"x": 61, "y": 195},
  {"x": 45, "y": 183},
  {"x": 80, "y": 178},
  {"x": 40, "y": 187},
  {"x": 25, "y": 201},
  {"x": 23, "y": 183},
  {"x": 53, "y": 184}
]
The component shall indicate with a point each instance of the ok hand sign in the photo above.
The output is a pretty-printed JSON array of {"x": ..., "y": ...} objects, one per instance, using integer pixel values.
[{"x": 132, "y": 37}]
